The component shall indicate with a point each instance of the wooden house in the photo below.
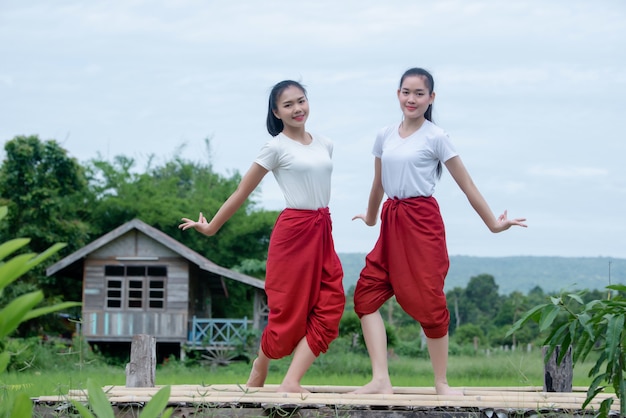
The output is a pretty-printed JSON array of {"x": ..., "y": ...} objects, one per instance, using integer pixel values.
[{"x": 138, "y": 280}]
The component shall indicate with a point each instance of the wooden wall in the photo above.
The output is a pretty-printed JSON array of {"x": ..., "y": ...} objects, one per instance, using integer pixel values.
[{"x": 102, "y": 323}]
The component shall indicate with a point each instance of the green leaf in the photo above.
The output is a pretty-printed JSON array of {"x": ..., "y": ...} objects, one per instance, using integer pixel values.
[
  {"x": 14, "y": 268},
  {"x": 605, "y": 408},
  {"x": 11, "y": 246},
  {"x": 40, "y": 258},
  {"x": 584, "y": 320},
  {"x": 5, "y": 357},
  {"x": 618, "y": 287},
  {"x": 621, "y": 394},
  {"x": 615, "y": 328},
  {"x": 157, "y": 404},
  {"x": 576, "y": 297},
  {"x": 22, "y": 406},
  {"x": 167, "y": 413},
  {"x": 82, "y": 409},
  {"x": 598, "y": 365},
  {"x": 594, "y": 389},
  {"x": 99, "y": 401},
  {"x": 547, "y": 316},
  {"x": 533, "y": 314},
  {"x": 556, "y": 336},
  {"x": 583, "y": 347},
  {"x": 49, "y": 309},
  {"x": 13, "y": 314},
  {"x": 565, "y": 345}
]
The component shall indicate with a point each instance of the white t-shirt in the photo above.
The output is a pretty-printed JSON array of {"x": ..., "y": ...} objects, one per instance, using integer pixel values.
[
  {"x": 302, "y": 171},
  {"x": 409, "y": 165}
]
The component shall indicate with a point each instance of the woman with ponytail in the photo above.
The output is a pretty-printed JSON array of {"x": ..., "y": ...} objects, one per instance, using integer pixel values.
[
  {"x": 410, "y": 258},
  {"x": 303, "y": 279}
]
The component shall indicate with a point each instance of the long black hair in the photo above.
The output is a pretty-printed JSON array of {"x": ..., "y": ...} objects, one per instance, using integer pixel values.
[
  {"x": 275, "y": 125},
  {"x": 430, "y": 84}
]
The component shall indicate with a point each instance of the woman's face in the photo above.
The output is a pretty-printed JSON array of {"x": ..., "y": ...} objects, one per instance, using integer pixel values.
[
  {"x": 292, "y": 107},
  {"x": 414, "y": 97}
]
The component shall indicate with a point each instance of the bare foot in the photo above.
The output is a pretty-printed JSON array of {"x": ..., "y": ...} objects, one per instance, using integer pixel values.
[
  {"x": 444, "y": 389},
  {"x": 258, "y": 374},
  {"x": 287, "y": 387},
  {"x": 382, "y": 386}
]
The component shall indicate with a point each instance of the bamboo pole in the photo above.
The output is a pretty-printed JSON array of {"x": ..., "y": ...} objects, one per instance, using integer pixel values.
[{"x": 528, "y": 398}]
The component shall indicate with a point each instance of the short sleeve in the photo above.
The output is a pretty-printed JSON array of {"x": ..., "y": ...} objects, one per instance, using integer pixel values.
[
  {"x": 444, "y": 149},
  {"x": 377, "y": 149},
  {"x": 268, "y": 156}
]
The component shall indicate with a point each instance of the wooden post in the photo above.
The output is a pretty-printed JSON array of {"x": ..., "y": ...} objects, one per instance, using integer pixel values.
[
  {"x": 557, "y": 377},
  {"x": 142, "y": 367}
]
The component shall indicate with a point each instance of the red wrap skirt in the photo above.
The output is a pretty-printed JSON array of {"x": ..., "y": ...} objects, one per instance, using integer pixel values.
[
  {"x": 410, "y": 261},
  {"x": 303, "y": 284}
]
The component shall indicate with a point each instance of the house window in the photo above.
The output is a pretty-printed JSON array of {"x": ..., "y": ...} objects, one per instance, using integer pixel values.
[{"x": 135, "y": 287}]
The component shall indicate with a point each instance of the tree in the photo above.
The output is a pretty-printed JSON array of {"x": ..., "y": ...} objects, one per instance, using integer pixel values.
[
  {"x": 163, "y": 194},
  {"x": 467, "y": 333},
  {"x": 482, "y": 295},
  {"x": 46, "y": 194},
  {"x": 48, "y": 200},
  {"x": 457, "y": 307}
]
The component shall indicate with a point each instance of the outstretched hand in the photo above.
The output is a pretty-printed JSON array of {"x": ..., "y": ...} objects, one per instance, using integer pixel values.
[
  {"x": 363, "y": 217},
  {"x": 201, "y": 225},
  {"x": 503, "y": 223}
]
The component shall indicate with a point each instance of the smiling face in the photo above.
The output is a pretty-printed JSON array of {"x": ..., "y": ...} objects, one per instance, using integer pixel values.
[
  {"x": 292, "y": 108},
  {"x": 415, "y": 97}
]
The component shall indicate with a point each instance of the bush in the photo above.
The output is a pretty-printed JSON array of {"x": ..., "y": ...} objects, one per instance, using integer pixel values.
[
  {"x": 466, "y": 333},
  {"x": 598, "y": 325},
  {"x": 23, "y": 307}
]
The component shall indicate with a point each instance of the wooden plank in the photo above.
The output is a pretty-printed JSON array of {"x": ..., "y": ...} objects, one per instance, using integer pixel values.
[{"x": 406, "y": 398}]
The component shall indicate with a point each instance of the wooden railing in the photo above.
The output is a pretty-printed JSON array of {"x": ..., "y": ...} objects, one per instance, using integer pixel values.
[{"x": 217, "y": 331}]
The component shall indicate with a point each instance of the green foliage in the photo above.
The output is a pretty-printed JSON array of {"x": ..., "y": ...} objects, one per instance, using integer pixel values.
[
  {"x": 22, "y": 407},
  {"x": 466, "y": 333},
  {"x": 46, "y": 192},
  {"x": 597, "y": 325},
  {"x": 163, "y": 194},
  {"x": 237, "y": 304},
  {"x": 251, "y": 267},
  {"x": 48, "y": 200},
  {"x": 36, "y": 353},
  {"x": 52, "y": 198},
  {"x": 101, "y": 407},
  {"x": 23, "y": 307},
  {"x": 350, "y": 329}
]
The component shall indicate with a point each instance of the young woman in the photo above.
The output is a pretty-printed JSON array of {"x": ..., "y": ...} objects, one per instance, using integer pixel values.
[
  {"x": 410, "y": 258},
  {"x": 303, "y": 276}
]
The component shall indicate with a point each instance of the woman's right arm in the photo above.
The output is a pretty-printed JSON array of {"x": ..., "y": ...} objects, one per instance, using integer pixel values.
[
  {"x": 376, "y": 196},
  {"x": 248, "y": 183}
]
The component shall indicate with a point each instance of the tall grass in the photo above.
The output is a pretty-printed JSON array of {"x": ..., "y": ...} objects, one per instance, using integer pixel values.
[
  {"x": 512, "y": 369},
  {"x": 339, "y": 367}
]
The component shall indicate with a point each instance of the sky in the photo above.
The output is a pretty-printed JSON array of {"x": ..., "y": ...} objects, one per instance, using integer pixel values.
[{"x": 532, "y": 94}]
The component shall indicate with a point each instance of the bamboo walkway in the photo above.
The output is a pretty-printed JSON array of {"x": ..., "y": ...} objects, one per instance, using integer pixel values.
[{"x": 336, "y": 401}]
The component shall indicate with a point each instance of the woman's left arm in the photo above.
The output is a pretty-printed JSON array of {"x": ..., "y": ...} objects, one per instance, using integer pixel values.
[{"x": 464, "y": 180}]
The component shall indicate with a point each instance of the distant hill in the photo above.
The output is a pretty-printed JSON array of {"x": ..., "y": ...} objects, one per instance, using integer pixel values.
[{"x": 552, "y": 274}]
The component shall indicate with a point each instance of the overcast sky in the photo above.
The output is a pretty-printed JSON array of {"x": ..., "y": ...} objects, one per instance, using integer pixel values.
[{"x": 532, "y": 94}]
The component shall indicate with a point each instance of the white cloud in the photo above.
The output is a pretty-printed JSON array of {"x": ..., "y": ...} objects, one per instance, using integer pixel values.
[
  {"x": 568, "y": 172},
  {"x": 530, "y": 92}
]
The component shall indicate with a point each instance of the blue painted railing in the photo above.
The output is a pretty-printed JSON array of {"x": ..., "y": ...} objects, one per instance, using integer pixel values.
[{"x": 217, "y": 331}]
